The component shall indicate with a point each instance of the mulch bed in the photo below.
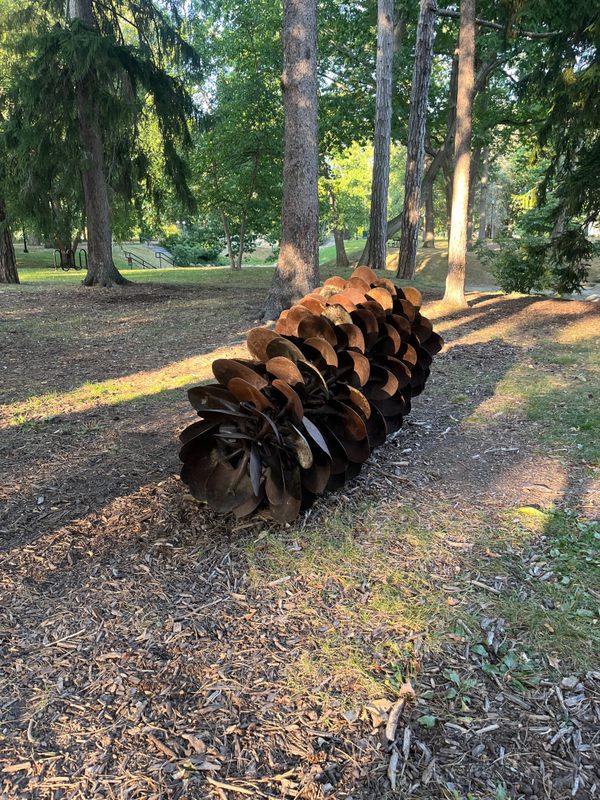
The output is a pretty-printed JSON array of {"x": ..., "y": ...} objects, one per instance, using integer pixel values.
[{"x": 139, "y": 659}]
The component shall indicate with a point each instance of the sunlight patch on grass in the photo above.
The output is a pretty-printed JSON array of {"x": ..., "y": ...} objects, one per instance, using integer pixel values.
[
  {"x": 375, "y": 583},
  {"x": 177, "y": 375}
]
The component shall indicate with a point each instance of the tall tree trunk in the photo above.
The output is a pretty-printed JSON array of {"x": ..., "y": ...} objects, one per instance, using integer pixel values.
[
  {"x": 242, "y": 235},
  {"x": 8, "y": 261},
  {"x": 429, "y": 227},
  {"x": 25, "y": 250},
  {"x": 374, "y": 254},
  {"x": 472, "y": 187},
  {"x": 341, "y": 257},
  {"x": 415, "y": 147},
  {"x": 483, "y": 193},
  {"x": 297, "y": 270},
  {"x": 445, "y": 150},
  {"x": 457, "y": 250},
  {"x": 249, "y": 194},
  {"x": 228, "y": 244},
  {"x": 447, "y": 147},
  {"x": 101, "y": 267},
  {"x": 448, "y": 196}
]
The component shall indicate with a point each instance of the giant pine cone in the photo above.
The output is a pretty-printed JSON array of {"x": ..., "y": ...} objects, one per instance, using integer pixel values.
[{"x": 324, "y": 388}]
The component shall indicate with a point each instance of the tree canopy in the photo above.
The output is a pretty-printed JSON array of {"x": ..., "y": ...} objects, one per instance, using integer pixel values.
[{"x": 188, "y": 101}]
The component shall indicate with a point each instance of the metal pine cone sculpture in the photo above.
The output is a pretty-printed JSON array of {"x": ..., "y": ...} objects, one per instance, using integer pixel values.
[{"x": 333, "y": 379}]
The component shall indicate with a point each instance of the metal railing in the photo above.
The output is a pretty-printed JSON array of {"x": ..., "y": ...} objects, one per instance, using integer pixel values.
[
  {"x": 164, "y": 257},
  {"x": 133, "y": 259}
]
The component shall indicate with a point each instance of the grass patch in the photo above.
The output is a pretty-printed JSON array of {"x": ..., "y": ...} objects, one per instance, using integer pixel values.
[
  {"x": 553, "y": 606},
  {"x": 362, "y": 602},
  {"x": 564, "y": 400},
  {"x": 374, "y": 581},
  {"x": 37, "y": 267}
]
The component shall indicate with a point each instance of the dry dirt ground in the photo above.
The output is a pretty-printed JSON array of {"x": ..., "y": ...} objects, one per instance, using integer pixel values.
[{"x": 149, "y": 649}]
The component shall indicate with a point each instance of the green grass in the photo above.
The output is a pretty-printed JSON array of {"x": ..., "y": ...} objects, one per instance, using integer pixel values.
[
  {"x": 561, "y": 395},
  {"x": 205, "y": 276},
  {"x": 381, "y": 571},
  {"x": 351, "y": 580},
  {"x": 36, "y": 267},
  {"x": 354, "y": 248},
  {"x": 558, "y": 616}
]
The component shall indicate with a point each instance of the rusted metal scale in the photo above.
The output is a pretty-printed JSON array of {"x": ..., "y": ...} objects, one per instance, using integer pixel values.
[{"x": 326, "y": 386}]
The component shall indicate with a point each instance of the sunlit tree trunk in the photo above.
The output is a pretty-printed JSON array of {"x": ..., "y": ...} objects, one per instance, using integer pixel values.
[
  {"x": 457, "y": 250},
  {"x": 448, "y": 196},
  {"x": 483, "y": 193},
  {"x": 375, "y": 250},
  {"x": 297, "y": 270},
  {"x": 415, "y": 147},
  {"x": 101, "y": 267},
  {"x": 472, "y": 188},
  {"x": 448, "y": 146},
  {"x": 429, "y": 226},
  {"x": 8, "y": 261}
]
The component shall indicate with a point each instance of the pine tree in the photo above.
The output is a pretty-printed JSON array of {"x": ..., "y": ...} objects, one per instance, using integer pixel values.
[{"x": 98, "y": 65}]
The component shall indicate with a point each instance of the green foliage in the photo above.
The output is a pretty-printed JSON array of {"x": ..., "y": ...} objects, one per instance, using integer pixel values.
[
  {"x": 564, "y": 81},
  {"x": 539, "y": 257},
  {"x": 197, "y": 245},
  {"x": 132, "y": 63},
  {"x": 236, "y": 161}
]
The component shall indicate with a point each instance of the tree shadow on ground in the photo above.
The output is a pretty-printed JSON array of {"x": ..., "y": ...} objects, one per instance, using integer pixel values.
[
  {"x": 155, "y": 617},
  {"x": 71, "y": 341}
]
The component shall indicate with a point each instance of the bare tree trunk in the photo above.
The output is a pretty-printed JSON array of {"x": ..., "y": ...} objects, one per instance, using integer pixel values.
[
  {"x": 457, "y": 250},
  {"x": 341, "y": 257},
  {"x": 228, "y": 244},
  {"x": 447, "y": 147},
  {"x": 374, "y": 254},
  {"x": 101, "y": 267},
  {"x": 394, "y": 224},
  {"x": 297, "y": 270},
  {"x": 429, "y": 228},
  {"x": 249, "y": 194},
  {"x": 8, "y": 261},
  {"x": 415, "y": 147},
  {"x": 483, "y": 193},
  {"x": 241, "y": 247},
  {"x": 448, "y": 196},
  {"x": 472, "y": 186}
]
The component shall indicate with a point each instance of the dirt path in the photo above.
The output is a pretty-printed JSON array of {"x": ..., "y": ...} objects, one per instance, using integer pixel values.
[{"x": 152, "y": 650}]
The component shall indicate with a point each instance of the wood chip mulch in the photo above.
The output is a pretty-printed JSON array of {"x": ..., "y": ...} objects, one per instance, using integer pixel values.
[{"x": 140, "y": 659}]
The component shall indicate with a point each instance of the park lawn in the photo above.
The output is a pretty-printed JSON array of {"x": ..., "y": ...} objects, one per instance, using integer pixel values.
[
  {"x": 432, "y": 264},
  {"x": 465, "y": 558},
  {"x": 35, "y": 268}
]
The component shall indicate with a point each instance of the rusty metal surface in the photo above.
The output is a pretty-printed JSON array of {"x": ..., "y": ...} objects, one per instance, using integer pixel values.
[{"x": 326, "y": 386}]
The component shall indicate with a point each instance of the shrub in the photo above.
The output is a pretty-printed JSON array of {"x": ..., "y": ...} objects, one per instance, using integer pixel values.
[
  {"x": 541, "y": 262},
  {"x": 197, "y": 245}
]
